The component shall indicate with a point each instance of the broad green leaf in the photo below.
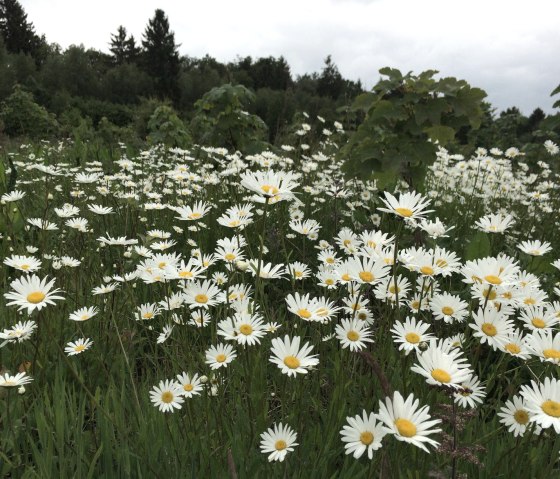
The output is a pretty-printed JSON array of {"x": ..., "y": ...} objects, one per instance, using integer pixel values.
[
  {"x": 431, "y": 112},
  {"x": 386, "y": 109},
  {"x": 363, "y": 102},
  {"x": 392, "y": 73},
  {"x": 441, "y": 134}
]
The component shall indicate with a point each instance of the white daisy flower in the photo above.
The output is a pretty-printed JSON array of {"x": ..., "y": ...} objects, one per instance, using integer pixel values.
[
  {"x": 361, "y": 434},
  {"x": 278, "y": 441}
]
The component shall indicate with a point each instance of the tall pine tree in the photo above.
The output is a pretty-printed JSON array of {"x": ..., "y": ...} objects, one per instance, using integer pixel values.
[
  {"x": 123, "y": 48},
  {"x": 18, "y": 34},
  {"x": 160, "y": 56}
]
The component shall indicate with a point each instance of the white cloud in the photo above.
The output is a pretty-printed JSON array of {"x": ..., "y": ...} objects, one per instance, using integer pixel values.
[{"x": 508, "y": 48}]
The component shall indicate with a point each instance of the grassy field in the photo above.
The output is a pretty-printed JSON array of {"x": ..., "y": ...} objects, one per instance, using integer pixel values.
[{"x": 164, "y": 310}]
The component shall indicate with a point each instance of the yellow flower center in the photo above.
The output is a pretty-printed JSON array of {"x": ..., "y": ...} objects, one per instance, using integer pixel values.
[
  {"x": 552, "y": 408},
  {"x": 404, "y": 212},
  {"x": 25, "y": 267},
  {"x": 346, "y": 277},
  {"x": 538, "y": 323},
  {"x": 201, "y": 298},
  {"x": 412, "y": 338},
  {"x": 148, "y": 315},
  {"x": 162, "y": 265},
  {"x": 489, "y": 329},
  {"x": 441, "y": 376},
  {"x": 441, "y": 263},
  {"x": 329, "y": 282},
  {"x": 346, "y": 242},
  {"x": 292, "y": 362},
  {"x": 427, "y": 270},
  {"x": 185, "y": 274},
  {"x": 353, "y": 335},
  {"x": 245, "y": 329},
  {"x": 234, "y": 223},
  {"x": 490, "y": 294},
  {"x": 167, "y": 397},
  {"x": 366, "y": 438},
  {"x": 551, "y": 354},
  {"x": 447, "y": 310},
  {"x": 530, "y": 301},
  {"x": 366, "y": 276},
  {"x": 521, "y": 416},
  {"x": 188, "y": 387},
  {"x": 35, "y": 297},
  {"x": 229, "y": 257},
  {"x": 79, "y": 348},
  {"x": 513, "y": 348},
  {"x": 221, "y": 358},
  {"x": 194, "y": 216},
  {"x": 84, "y": 317},
  {"x": 304, "y": 313},
  {"x": 269, "y": 189},
  {"x": 493, "y": 279},
  {"x": 392, "y": 289},
  {"x": 405, "y": 427},
  {"x": 280, "y": 445}
]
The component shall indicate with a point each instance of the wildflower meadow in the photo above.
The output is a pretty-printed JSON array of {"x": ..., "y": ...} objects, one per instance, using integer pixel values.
[{"x": 206, "y": 313}]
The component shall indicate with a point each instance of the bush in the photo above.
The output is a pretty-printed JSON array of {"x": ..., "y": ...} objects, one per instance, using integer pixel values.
[
  {"x": 23, "y": 117},
  {"x": 167, "y": 128}
]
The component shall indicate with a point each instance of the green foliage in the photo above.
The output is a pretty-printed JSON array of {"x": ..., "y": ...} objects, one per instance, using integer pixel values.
[
  {"x": 160, "y": 57},
  {"x": 22, "y": 116},
  {"x": 123, "y": 48},
  {"x": 126, "y": 84},
  {"x": 19, "y": 34},
  {"x": 555, "y": 92},
  {"x": 167, "y": 128},
  {"x": 405, "y": 115},
  {"x": 276, "y": 108},
  {"x": 330, "y": 82},
  {"x": 221, "y": 119}
]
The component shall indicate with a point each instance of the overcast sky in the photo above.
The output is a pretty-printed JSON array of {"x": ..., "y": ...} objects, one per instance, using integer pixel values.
[{"x": 509, "y": 48}]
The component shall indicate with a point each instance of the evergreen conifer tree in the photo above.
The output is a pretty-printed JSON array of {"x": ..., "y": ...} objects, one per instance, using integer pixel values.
[
  {"x": 160, "y": 57},
  {"x": 18, "y": 34}
]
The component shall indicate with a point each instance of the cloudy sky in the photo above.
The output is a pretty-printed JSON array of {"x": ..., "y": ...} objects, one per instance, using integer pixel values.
[{"x": 509, "y": 48}]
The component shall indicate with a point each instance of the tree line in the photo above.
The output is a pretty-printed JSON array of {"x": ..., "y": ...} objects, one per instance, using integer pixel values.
[
  {"x": 126, "y": 85},
  {"x": 143, "y": 89}
]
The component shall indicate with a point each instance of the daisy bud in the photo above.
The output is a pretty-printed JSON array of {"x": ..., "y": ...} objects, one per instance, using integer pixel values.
[
  {"x": 21, "y": 390},
  {"x": 242, "y": 265}
]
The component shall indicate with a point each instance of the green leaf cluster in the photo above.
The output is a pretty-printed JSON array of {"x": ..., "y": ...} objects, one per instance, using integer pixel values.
[
  {"x": 222, "y": 120},
  {"x": 405, "y": 117},
  {"x": 165, "y": 127},
  {"x": 21, "y": 116}
]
